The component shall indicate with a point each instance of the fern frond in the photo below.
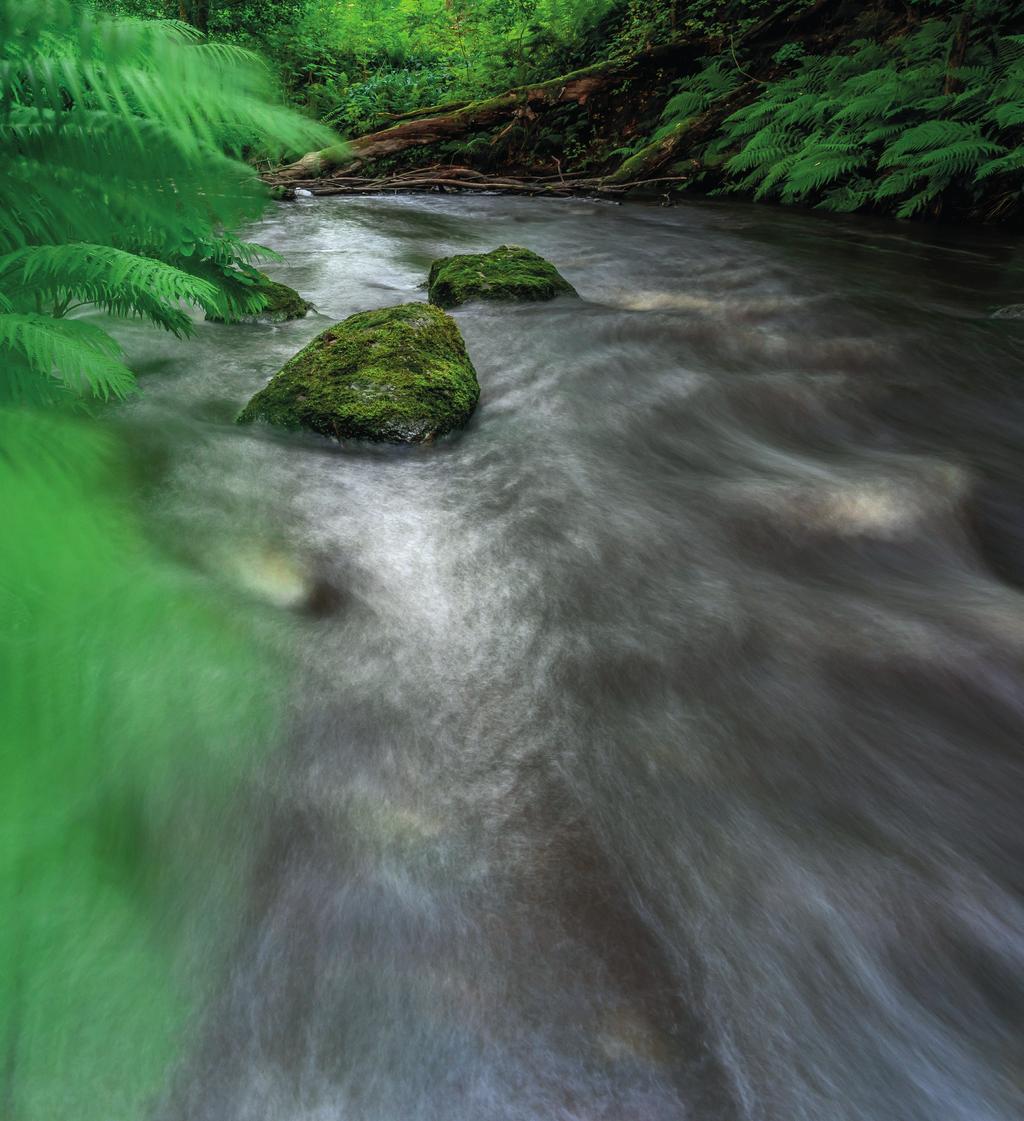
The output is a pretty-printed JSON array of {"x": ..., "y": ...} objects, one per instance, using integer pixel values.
[
  {"x": 916, "y": 203},
  {"x": 1008, "y": 115},
  {"x": 821, "y": 165},
  {"x": 1010, "y": 49},
  {"x": 959, "y": 158},
  {"x": 1009, "y": 164},
  {"x": 122, "y": 283},
  {"x": 119, "y": 173},
  {"x": 77, "y": 354},
  {"x": 848, "y": 198},
  {"x": 774, "y": 175},
  {"x": 929, "y": 136},
  {"x": 881, "y": 134},
  {"x": 899, "y": 183}
]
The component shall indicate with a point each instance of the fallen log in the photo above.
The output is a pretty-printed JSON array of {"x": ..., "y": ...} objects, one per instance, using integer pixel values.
[{"x": 524, "y": 102}]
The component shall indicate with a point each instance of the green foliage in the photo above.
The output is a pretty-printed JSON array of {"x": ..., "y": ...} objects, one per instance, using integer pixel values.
[
  {"x": 889, "y": 125},
  {"x": 370, "y": 104},
  {"x": 698, "y": 93},
  {"x": 102, "y": 124},
  {"x": 826, "y": 111},
  {"x": 129, "y": 703},
  {"x": 130, "y": 706},
  {"x": 355, "y": 63}
]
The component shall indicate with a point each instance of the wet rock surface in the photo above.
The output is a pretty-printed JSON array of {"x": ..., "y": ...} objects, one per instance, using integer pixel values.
[
  {"x": 397, "y": 375},
  {"x": 508, "y": 273}
]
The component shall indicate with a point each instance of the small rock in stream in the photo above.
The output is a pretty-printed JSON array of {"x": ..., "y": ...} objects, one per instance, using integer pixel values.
[
  {"x": 283, "y": 303},
  {"x": 508, "y": 273}
]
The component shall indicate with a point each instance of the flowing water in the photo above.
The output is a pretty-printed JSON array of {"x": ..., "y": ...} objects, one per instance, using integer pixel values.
[{"x": 654, "y": 744}]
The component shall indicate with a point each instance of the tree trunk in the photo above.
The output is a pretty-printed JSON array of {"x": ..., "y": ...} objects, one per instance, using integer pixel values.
[
  {"x": 651, "y": 157},
  {"x": 195, "y": 12},
  {"x": 958, "y": 52}
]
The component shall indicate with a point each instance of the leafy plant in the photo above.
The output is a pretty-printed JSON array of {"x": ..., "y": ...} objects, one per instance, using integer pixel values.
[
  {"x": 899, "y": 125},
  {"x": 364, "y": 106},
  {"x": 130, "y": 703},
  {"x": 694, "y": 95},
  {"x": 120, "y": 181}
]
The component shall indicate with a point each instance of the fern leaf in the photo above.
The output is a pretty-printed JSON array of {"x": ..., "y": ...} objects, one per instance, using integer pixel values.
[
  {"x": 916, "y": 203},
  {"x": 1008, "y": 115},
  {"x": 820, "y": 167},
  {"x": 1009, "y": 164},
  {"x": 78, "y": 354},
  {"x": 929, "y": 136},
  {"x": 121, "y": 282},
  {"x": 959, "y": 158}
]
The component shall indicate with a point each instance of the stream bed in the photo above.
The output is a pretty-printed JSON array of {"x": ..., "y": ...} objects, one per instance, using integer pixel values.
[{"x": 654, "y": 745}]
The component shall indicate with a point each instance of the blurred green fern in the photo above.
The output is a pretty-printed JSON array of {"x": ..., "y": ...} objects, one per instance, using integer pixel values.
[
  {"x": 120, "y": 181},
  {"x": 130, "y": 703}
]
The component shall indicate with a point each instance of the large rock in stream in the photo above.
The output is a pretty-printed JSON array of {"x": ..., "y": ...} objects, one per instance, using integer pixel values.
[
  {"x": 507, "y": 273},
  {"x": 399, "y": 375}
]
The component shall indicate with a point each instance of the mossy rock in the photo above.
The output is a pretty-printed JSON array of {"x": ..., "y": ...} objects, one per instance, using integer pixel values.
[
  {"x": 400, "y": 375},
  {"x": 283, "y": 303},
  {"x": 508, "y": 273}
]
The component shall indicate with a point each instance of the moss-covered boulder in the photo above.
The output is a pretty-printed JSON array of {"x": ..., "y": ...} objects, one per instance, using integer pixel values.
[
  {"x": 508, "y": 273},
  {"x": 283, "y": 303},
  {"x": 400, "y": 375}
]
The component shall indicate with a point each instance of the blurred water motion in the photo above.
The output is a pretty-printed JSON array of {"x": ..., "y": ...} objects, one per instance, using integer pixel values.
[{"x": 663, "y": 757}]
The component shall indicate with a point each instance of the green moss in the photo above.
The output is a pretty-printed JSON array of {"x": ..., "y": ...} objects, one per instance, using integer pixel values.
[
  {"x": 399, "y": 375},
  {"x": 283, "y": 303},
  {"x": 508, "y": 273}
]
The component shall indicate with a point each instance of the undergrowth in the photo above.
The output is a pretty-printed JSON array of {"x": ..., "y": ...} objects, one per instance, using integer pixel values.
[{"x": 895, "y": 126}]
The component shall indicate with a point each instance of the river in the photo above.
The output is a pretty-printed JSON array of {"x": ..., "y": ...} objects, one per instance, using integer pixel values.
[{"x": 654, "y": 745}]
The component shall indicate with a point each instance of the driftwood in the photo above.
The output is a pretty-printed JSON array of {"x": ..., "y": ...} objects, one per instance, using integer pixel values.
[
  {"x": 451, "y": 121},
  {"x": 456, "y": 179}
]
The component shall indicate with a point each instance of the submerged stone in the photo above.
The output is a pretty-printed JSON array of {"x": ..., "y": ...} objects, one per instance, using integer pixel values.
[
  {"x": 283, "y": 303},
  {"x": 399, "y": 375},
  {"x": 508, "y": 273}
]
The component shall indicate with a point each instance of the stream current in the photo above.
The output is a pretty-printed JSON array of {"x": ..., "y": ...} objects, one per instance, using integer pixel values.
[{"x": 653, "y": 746}]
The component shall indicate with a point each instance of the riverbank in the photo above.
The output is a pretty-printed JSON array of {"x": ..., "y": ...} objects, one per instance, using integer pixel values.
[{"x": 916, "y": 113}]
